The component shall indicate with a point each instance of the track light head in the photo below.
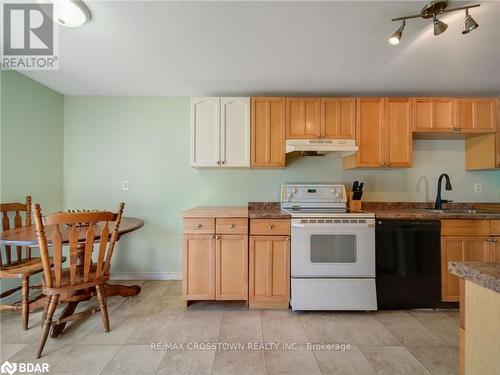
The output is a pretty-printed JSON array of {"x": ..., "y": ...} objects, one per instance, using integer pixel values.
[
  {"x": 439, "y": 26},
  {"x": 469, "y": 24},
  {"x": 396, "y": 37}
]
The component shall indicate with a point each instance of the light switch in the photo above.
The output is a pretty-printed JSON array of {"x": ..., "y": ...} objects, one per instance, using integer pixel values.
[{"x": 125, "y": 185}]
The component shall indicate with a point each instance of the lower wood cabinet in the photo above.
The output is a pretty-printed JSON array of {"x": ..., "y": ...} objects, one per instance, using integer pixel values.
[
  {"x": 231, "y": 267},
  {"x": 216, "y": 265},
  {"x": 466, "y": 241},
  {"x": 199, "y": 267},
  {"x": 269, "y": 282}
]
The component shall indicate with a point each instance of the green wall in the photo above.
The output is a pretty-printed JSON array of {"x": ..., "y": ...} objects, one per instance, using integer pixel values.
[
  {"x": 31, "y": 144},
  {"x": 145, "y": 140}
]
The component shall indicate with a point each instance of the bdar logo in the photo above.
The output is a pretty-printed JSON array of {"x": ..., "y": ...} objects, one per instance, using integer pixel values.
[{"x": 8, "y": 368}]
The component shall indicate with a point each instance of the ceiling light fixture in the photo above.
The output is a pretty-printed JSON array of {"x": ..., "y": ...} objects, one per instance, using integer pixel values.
[
  {"x": 70, "y": 13},
  {"x": 439, "y": 26},
  {"x": 469, "y": 23},
  {"x": 396, "y": 37},
  {"x": 431, "y": 10}
]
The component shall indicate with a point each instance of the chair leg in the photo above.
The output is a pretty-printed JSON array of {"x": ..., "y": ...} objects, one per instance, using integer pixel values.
[
  {"x": 101, "y": 296},
  {"x": 47, "y": 322},
  {"x": 45, "y": 308},
  {"x": 25, "y": 304}
]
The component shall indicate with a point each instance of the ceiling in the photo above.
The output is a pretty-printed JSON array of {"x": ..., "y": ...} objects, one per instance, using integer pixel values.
[{"x": 162, "y": 48}]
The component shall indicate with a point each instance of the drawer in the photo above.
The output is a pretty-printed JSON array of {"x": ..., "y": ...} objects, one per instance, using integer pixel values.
[
  {"x": 465, "y": 227},
  {"x": 266, "y": 227},
  {"x": 227, "y": 225},
  {"x": 198, "y": 225},
  {"x": 495, "y": 227}
]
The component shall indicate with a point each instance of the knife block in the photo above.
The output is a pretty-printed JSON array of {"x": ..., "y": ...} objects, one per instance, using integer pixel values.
[{"x": 355, "y": 205}]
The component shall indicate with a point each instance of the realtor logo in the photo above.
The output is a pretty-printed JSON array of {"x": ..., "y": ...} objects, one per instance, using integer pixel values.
[
  {"x": 28, "y": 36},
  {"x": 8, "y": 368}
]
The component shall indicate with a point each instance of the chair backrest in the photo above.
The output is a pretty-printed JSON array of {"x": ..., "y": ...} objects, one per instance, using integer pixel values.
[
  {"x": 80, "y": 230},
  {"x": 15, "y": 209}
]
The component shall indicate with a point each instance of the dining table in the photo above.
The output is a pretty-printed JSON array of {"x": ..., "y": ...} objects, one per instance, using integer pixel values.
[{"x": 27, "y": 236}]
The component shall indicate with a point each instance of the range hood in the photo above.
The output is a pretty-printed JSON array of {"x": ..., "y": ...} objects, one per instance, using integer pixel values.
[{"x": 321, "y": 146}]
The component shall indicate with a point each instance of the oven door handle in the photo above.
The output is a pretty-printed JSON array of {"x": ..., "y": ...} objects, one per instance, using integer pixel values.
[{"x": 298, "y": 225}]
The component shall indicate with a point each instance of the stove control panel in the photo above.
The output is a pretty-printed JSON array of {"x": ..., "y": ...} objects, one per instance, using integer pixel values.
[{"x": 313, "y": 195}]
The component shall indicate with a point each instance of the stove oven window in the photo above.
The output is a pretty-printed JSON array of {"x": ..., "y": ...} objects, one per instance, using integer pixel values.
[{"x": 333, "y": 248}]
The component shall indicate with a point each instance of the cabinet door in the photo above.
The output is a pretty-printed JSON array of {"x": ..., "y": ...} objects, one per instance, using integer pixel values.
[
  {"x": 303, "y": 118},
  {"x": 461, "y": 249},
  {"x": 268, "y": 132},
  {"x": 231, "y": 267},
  {"x": 451, "y": 251},
  {"x": 497, "y": 140},
  {"x": 494, "y": 250},
  {"x": 434, "y": 114},
  {"x": 338, "y": 118},
  {"x": 269, "y": 265},
  {"x": 235, "y": 132},
  {"x": 370, "y": 132},
  {"x": 399, "y": 132},
  {"x": 205, "y": 132},
  {"x": 199, "y": 267},
  {"x": 476, "y": 115}
]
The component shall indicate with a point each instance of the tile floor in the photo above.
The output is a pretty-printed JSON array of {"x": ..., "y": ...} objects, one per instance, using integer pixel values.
[{"x": 395, "y": 342}]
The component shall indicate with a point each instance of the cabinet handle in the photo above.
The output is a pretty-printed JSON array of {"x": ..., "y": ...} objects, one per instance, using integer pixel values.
[
  {"x": 230, "y": 226},
  {"x": 491, "y": 240},
  {"x": 217, "y": 237},
  {"x": 223, "y": 162},
  {"x": 218, "y": 162},
  {"x": 270, "y": 227},
  {"x": 212, "y": 237},
  {"x": 198, "y": 226}
]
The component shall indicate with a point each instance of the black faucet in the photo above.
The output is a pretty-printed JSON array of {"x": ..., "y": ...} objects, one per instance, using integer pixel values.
[{"x": 439, "y": 201}]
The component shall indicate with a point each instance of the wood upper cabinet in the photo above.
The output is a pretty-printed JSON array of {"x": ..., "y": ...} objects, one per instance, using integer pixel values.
[
  {"x": 199, "y": 267},
  {"x": 231, "y": 267},
  {"x": 220, "y": 131},
  {"x": 483, "y": 151},
  {"x": 370, "y": 133},
  {"x": 338, "y": 117},
  {"x": 494, "y": 250},
  {"x": 399, "y": 139},
  {"x": 476, "y": 115},
  {"x": 303, "y": 118},
  {"x": 269, "y": 267},
  {"x": 383, "y": 133},
  {"x": 434, "y": 114},
  {"x": 267, "y": 132}
]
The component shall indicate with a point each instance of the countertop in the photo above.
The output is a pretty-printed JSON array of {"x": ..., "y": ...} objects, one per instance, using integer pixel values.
[
  {"x": 266, "y": 210},
  {"x": 216, "y": 211},
  {"x": 484, "y": 274},
  {"x": 420, "y": 210}
]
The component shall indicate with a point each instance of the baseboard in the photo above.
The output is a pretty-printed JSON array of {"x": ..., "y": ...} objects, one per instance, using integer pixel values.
[{"x": 146, "y": 275}]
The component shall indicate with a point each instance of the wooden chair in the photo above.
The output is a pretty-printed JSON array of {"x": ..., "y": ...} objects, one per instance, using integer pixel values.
[
  {"x": 64, "y": 284},
  {"x": 23, "y": 265}
]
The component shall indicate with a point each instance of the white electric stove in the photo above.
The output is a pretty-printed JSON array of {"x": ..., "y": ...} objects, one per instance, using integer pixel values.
[{"x": 332, "y": 249}]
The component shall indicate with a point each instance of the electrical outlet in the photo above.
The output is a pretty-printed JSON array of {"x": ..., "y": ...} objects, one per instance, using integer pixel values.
[
  {"x": 478, "y": 188},
  {"x": 125, "y": 185}
]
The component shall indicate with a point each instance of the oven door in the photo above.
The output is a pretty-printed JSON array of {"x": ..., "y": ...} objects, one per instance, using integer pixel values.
[{"x": 333, "y": 248}]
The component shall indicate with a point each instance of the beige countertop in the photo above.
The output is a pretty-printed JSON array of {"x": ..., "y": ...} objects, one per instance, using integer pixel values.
[{"x": 216, "y": 211}]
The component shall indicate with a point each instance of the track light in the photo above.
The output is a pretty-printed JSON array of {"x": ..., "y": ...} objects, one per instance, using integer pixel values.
[
  {"x": 469, "y": 23},
  {"x": 433, "y": 9},
  {"x": 396, "y": 37},
  {"x": 439, "y": 26}
]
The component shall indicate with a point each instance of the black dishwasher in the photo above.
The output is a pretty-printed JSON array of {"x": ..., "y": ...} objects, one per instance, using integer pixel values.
[{"x": 408, "y": 263}]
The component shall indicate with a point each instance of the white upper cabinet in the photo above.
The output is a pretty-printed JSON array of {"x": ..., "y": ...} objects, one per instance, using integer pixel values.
[
  {"x": 235, "y": 132},
  {"x": 205, "y": 130},
  {"x": 220, "y": 132}
]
